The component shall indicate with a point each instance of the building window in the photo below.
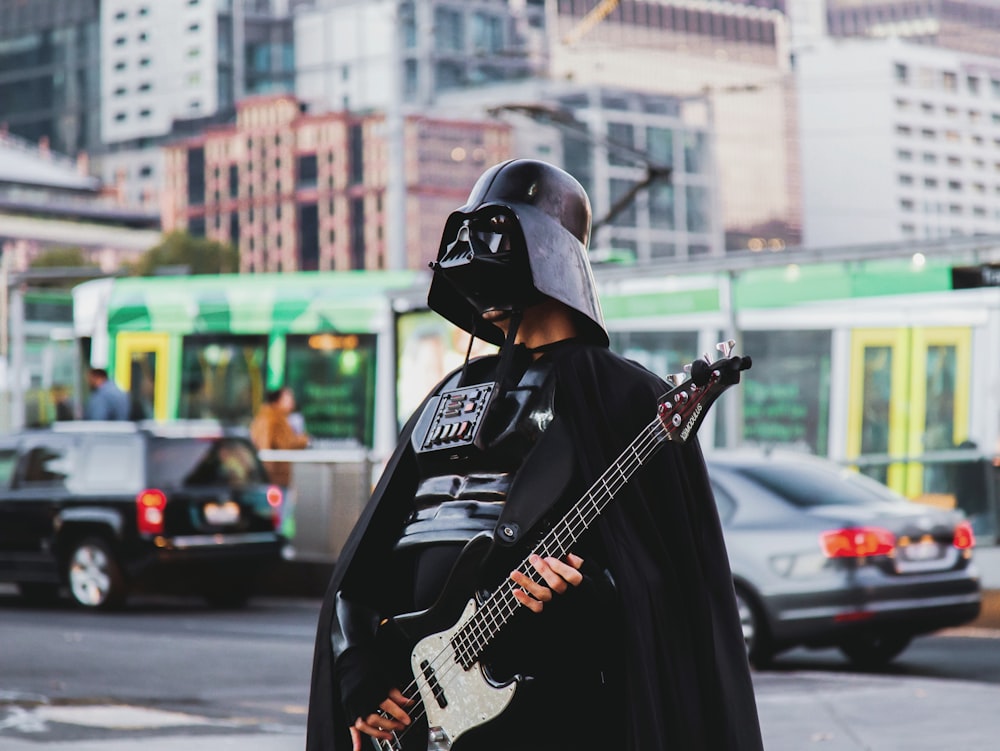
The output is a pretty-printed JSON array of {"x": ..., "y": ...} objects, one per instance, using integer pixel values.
[
  {"x": 902, "y": 73},
  {"x": 357, "y": 233},
  {"x": 196, "y": 176},
  {"x": 698, "y": 209},
  {"x": 904, "y": 156},
  {"x": 356, "y": 154},
  {"x": 308, "y": 171}
]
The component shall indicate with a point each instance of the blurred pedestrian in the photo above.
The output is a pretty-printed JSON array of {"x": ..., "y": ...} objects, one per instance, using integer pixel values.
[
  {"x": 107, "y": 401},
  {"x": 271, "y": 429}
]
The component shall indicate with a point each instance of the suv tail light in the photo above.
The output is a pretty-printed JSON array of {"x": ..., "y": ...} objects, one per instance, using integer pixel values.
[
  {"x": 857, "y": 542},
  {"x": 964, "y": 538},
  {"x": 150, "y": 505},
  {"x": 274, "y": 499}
]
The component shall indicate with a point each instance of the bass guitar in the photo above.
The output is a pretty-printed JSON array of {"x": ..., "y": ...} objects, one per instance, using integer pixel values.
[{"x": 453, "y": 692}]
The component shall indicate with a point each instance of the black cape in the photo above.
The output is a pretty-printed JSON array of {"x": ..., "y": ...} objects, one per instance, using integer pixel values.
[{"x": 687, "y": 680}]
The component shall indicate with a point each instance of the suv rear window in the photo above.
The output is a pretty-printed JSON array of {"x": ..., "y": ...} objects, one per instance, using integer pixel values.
[{"x": 197, "y": 461}]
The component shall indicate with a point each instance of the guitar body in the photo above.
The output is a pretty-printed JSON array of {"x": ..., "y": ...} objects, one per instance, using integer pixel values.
[{"x": 455, "y": 699}]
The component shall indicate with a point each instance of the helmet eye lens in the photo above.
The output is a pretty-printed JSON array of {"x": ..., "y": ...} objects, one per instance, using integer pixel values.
[
  {"x": 494, "y": 241},
  {"x": 495, "y": 232}
]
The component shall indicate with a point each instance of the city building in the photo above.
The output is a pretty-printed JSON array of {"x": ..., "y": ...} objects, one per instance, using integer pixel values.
[
  {"x": 963, "y": 25},
  {"x": 171, "y": 68},
  {"x": 646, "y": 160},
  {"x": 50, "y": 72},
  {"x": 349, "y": 53},
  {"x": 48, "y": 201},
  {"x": 735, "y": 55},
  {"x": 899, "y": 141},
  {"x": 301, "y": 191}
]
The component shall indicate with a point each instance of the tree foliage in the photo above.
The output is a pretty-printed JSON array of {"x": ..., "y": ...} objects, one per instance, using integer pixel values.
[
  {"x": 195, "y": 255},
  {"x": 61, "y": 265}
]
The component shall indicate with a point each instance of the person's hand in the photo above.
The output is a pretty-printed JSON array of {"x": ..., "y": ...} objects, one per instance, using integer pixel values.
[
  {"x": 558, "y": 575},
  {"x": 383, "y": 725}
]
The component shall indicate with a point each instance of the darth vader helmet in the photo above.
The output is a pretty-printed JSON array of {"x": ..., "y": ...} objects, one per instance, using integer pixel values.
[{"x": 520, "y": 237}]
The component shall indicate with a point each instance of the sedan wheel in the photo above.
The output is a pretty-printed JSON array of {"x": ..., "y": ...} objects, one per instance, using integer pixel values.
[
  {"x": 755, "y": 635},
  {"x": 875, "y": 650},
  {"x": 94, "y": 576}
]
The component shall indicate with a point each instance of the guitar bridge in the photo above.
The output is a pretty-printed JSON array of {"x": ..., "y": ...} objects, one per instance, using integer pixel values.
[{"x": 432, "y": 682}]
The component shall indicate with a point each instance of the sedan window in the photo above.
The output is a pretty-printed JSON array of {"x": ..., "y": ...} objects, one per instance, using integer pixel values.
[{"x": 807, "y": 486}]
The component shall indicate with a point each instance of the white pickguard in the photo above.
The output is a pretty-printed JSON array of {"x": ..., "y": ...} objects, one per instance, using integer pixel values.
[{"x": 472, "y": 698}]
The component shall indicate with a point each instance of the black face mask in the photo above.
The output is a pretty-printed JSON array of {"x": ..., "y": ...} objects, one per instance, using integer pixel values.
[{"x": 487, "y": 263}]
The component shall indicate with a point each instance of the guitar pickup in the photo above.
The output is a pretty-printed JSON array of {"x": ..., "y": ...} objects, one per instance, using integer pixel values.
[{"x": 432, "y": 682}]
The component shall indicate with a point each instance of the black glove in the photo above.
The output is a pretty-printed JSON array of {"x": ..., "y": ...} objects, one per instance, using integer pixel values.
[{"x": 363, "y": 684}]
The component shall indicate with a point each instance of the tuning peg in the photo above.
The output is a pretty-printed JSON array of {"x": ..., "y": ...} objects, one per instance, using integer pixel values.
[
  {"x": 726, "y": 347},
  {"x": 672, "y": 380},
  {"x": 687, "y": 369}
]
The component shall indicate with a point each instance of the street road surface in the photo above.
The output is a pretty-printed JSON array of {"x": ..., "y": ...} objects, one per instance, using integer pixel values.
[{"x": 171, "y": 674}]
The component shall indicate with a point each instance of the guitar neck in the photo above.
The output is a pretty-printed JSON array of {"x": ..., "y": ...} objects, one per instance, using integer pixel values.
[{"x": 480, "y": 630}]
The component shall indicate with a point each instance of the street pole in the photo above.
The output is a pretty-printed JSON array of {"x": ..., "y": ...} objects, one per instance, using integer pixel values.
[
  {"x": 16, "y": 374},
  {"x": 395, "y": 188}
]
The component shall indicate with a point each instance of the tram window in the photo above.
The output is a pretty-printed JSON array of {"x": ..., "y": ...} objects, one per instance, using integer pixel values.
[
  {"x": 663, "y": 352},
  {"x": 333, "y": 376},
  {"x": 787, "y": 401},
  {"x": 222, "y": 377}
]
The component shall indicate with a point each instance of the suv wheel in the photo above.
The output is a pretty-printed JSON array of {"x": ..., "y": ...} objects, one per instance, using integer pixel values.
[
  {"x": 755, "y": 635},
  {"x": 94, "y": 576},
  {"x": 874, "y": 650}
]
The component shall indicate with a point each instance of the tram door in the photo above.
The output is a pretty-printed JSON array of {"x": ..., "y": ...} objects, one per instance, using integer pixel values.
[
  {"x": 909, "y": 395},
  {"x": 141, "y": 372}
]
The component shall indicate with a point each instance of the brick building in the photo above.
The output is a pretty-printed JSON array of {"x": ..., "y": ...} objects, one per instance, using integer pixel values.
[{"x": 296, "y": 191}]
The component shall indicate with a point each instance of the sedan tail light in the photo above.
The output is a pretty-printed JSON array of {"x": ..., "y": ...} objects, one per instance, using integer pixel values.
[
  {"x": 274, "y": 500},
  {"x": 857, "y": 542},
  {"x": 964, "y": 538},
  {"x": 150, "y": 505}
]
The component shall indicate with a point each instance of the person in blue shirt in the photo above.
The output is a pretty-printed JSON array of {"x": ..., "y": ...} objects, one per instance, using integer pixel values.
[{"x": 107, "y": 401}]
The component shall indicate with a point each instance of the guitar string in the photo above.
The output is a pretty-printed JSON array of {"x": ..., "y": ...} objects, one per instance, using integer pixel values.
[{"x": 502, "y": 600}]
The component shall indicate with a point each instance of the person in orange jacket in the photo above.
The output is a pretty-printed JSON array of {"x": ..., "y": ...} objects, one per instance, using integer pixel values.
[{"x": 271, "y": 429}]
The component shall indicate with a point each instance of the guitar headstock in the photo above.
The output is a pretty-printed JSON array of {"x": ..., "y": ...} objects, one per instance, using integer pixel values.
[{"x": 682, "y": 409}]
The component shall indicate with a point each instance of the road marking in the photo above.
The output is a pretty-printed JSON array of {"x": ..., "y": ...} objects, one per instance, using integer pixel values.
[
  {"x": 118, "y": 716},
  {"x": 975, "y": 632}
]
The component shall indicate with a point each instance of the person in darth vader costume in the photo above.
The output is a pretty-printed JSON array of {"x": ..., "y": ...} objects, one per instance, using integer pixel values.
[{"x": 631, "y": 641}]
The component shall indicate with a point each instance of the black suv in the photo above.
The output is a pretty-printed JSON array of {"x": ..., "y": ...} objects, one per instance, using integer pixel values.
[{"x": 104, "y": 507}]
